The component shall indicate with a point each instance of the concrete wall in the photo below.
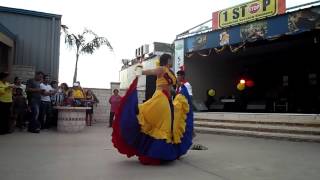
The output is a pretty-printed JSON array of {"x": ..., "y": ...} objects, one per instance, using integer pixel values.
[
  {"x": 24, "y": 72},
  {"x": 102, "y": 110}
]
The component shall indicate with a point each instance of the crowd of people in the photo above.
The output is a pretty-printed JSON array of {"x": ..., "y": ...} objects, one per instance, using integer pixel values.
[{"x": 29, "y": 105}]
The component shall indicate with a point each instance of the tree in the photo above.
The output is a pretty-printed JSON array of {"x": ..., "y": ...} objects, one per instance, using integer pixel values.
[{"x": 83, "y": 45}]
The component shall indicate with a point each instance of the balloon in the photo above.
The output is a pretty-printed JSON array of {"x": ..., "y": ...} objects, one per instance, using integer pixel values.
[
  {"x": 211, "y": 92},
  {"x": 250, "y": 83},
  {"x": 241, "y": 87}
]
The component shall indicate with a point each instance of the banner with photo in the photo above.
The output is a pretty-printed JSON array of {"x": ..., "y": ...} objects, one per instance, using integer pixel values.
[
  {"x": 274, "y": 27},
  {"x": 304, "y": 20},
  {"x": 178, "y": 55}
]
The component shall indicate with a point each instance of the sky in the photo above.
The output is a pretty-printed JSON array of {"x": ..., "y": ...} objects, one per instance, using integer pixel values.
[{"x": 127, "y": 24}]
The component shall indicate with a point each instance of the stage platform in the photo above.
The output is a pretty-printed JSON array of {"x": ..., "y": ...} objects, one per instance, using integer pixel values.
[{"x": 298, "y": 127}]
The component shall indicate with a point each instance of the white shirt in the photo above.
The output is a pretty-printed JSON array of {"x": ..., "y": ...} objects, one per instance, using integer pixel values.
[
  {"x": 189, "y": 88},
  {"x": 23, "y": 87},
  {"x": 47, "y": 88}
]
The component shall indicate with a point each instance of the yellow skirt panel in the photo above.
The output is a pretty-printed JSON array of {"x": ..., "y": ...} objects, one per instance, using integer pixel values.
[
  {"x": 155, "y": 117},
  {"x": 181, "y": 108}
]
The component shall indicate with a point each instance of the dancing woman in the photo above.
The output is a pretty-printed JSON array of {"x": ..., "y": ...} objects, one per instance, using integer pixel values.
[{"x": 160, "y": 129}]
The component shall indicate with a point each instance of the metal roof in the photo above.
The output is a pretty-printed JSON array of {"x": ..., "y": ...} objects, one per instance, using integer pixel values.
[{"x": 28, "y": 12}]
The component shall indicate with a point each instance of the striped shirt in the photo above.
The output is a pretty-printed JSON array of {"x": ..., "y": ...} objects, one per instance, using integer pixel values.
[{"x": 58, "y": 98}]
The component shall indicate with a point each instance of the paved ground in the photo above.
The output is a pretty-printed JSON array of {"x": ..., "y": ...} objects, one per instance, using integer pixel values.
[{"x": 90, "y": 156}]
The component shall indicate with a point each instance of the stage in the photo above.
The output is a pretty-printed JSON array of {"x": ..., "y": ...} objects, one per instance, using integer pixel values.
[{"x": 297, "y": 127}]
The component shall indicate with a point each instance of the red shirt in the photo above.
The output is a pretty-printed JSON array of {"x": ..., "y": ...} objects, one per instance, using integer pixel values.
[{"x": 115, "y": 102}]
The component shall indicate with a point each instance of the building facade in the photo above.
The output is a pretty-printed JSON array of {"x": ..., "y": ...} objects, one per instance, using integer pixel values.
[{"x": 29, "y": 42}]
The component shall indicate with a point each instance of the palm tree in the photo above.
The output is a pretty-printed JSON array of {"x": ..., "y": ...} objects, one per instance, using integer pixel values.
[{"x": 82, "y": 45}]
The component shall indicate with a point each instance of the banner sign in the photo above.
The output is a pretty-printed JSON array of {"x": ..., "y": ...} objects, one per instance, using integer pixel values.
[
  {"x": 179, "y": 55},
  {"x": 291, "y": 23},
  {"x": 251, "y": 11}
]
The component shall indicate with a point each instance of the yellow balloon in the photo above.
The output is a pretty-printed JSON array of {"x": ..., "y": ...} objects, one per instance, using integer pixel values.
[
  {"x": 241, "y": 86},
  {"x": 211, "y": 92}
]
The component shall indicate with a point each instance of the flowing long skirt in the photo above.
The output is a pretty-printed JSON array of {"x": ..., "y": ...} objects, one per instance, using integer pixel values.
[{"x": 157, "y": 130}]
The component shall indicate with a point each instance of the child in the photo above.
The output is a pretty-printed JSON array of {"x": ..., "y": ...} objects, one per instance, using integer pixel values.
[
  {"x": 20, "y": 108},
  {"x": 69, "y": 100},
  {"x": 89, "y": 101}
]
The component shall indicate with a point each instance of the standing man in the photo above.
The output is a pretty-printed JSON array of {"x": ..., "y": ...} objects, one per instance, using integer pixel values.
[
  {"x": 45, "y": 115},
  {"x": 34, "y": 98}
]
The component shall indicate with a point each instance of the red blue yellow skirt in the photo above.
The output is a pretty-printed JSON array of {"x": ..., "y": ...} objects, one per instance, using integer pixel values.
[{"x": 157, "y": 130}]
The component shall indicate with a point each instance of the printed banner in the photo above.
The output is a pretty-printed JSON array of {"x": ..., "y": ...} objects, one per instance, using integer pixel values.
[
  {"x": 178, "y": 55},
  {"x": 251, "y": 11}
]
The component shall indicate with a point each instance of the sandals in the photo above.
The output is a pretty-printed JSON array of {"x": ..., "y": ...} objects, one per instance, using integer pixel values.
[{"x": 199, "y": 147}]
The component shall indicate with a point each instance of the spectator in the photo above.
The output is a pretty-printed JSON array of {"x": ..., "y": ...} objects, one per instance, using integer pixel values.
[
  {"x": 115, "y": 102},
  {"x": 5, "y": 103},
  {"x": 65, "y": 89},
  {"x": 89, "y": 102},
  {"x": 45, "y": 115},
  {"x": 34, "y": 100},
  {"x": 20, "y": 108},
  {"x": 69, "y": 101},
  {"x": 78, "y": 94},
  {"x": 59, "y": 95},
  {"x": 56, "y": 100},
  {"x": 18, "y": 84}
]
